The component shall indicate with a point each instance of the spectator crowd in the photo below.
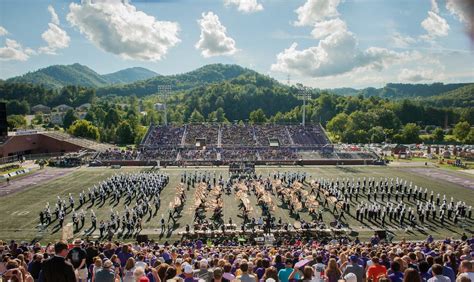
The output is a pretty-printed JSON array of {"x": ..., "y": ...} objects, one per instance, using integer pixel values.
[{"x": 288, "y": 260}]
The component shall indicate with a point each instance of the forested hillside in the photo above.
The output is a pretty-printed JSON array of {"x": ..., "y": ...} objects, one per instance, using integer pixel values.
[
  {"x": 61, "y": 75},
  {"x": 58, "y": 76},
  {"x": 129, "y": 75},
  {"x": 199, "y": 77},
  {"x": 460, "y": 97},
  {"x": 401, "y": 91}
]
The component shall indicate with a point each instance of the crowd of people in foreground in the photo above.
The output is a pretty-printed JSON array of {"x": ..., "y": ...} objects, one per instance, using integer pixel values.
[{"x": 289, "y": 260}]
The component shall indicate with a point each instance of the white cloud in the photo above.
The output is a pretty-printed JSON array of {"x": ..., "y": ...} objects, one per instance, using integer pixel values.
[
  {"x": 435, "y": 25},
  {"x": 13, "y": 51},
  {"x": 464, "y": 11},
  {"x": 460, "y": 9},
  {"x": 336, "y": 54},
  {"x": 213, "y": 40},
  {"x": 314, "y": 11},
  {"x": 434, "y": 6},
  {"x": 55, "y": 37},
  {"x": 3, "y": 31},
  {"x": 117, "y": 27},
  {"x": 416, "y": 75},
  {"x": 54, "y": 16},
  {"x": 402, "y": 41},
  {"x": 325, "y": 28},
  {"x": 245, "y": 6}
]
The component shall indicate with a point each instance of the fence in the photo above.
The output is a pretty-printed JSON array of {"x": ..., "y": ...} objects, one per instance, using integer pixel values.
[{"x": 11, "y": 159}]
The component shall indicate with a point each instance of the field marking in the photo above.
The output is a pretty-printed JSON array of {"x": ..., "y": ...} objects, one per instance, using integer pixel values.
[{"x": 20, "y": 213}]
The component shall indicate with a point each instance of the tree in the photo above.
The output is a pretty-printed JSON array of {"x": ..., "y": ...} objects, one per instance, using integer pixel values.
[
  {"x": 338, "y": 124},
  {"x": 376, "y": 134},
  {"x": 112, "y": 118},
  {"x": 359, "y": 120},
  {"x": 196, "y": 116},
  {"x": 69, "y": 119},
  {"x": 15, "y": 107},
  {"x": 16, "y": 122},
  {"x": 38, "y": 119},
  {"x": 125, "y": 133},
  {"x": 90, "y": 116},
  {"x": 217, "y": 116},
  {"x": 411, "y": 133},
  {"x": 356, "y": 136},
  {"x": 470, "y": 137},
  {"x": 139, "y": 134},
  {"x": 438, "y": 134},
  {"x": 84, "y": 128},
  {"x": 257, "y": 116},
  {"x": 461, "y": 130}
]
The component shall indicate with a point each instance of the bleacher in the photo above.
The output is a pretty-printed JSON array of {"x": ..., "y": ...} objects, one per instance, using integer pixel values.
[{"x": 223, "y": 143}]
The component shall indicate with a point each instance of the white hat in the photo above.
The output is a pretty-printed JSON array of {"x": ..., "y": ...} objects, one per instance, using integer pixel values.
[
  {"x": 203, "y": 263},
  {"x": 350, "y": 277},
  {"x": 188, "y": 268},
  {"x": 108, "y": 264}
]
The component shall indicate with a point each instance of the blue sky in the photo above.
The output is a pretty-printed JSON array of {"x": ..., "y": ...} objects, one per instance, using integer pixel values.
[{"x": 321, "y": 43}]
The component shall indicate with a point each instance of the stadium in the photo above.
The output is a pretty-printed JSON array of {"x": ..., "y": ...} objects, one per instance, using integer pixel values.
[
  {"x": 236, "y": 141},
  {"x": 223, "y": 144},
  {"x": 240, "y": 181}
]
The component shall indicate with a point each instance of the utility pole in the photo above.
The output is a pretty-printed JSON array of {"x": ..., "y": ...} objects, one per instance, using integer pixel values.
[{"x": 165, "y": 91}]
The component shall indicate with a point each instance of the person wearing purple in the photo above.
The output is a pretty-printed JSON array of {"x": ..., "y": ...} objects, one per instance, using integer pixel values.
[
  {"x": 278, "y": 262},
  {"x": 355, "y": 269},
  {"x": 374, "y": 240},
  {"x": 124, "y": 255},
  {"x": 446, "y": 270},
  {"x": 396, "y": 275},
  {"x": 188, "y": 273},
  {"x": 424, "y": 268},
  {"x": 166, "y": 256},
  {"x": 198, "y": 244},
  {"x": 260, "y": 270},
  {"x": 437, "y": 270}
]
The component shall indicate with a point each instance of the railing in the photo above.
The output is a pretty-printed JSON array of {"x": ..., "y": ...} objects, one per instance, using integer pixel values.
[{"x": 15, "y": 158}]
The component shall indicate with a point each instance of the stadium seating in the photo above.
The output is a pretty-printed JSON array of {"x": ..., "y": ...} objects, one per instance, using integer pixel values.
[{"x": 237, "y": 142}]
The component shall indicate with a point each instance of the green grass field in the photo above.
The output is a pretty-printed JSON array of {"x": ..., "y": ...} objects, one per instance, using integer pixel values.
[{"x": 19, "y": 211}]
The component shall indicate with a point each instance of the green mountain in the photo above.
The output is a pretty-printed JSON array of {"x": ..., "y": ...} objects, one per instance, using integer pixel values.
[
  {"x": 129, "y": 75},
  {"x": 237, "y": 97},
  {"x": 57, "y": 76},
  {"x": 403, "y": 91},
  {"x": 202, "y": 76},
  {"x": 343, "y": 91},
  {"x": 460, "y": 97}
]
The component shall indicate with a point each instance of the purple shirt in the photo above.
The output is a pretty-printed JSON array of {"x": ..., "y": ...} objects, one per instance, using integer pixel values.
[
  {"x": 124, "y": 257},
  {"x": 396, "y": 277}
]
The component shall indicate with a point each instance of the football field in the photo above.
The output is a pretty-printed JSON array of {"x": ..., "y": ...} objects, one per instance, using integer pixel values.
[{"x": 20, "y": 207}]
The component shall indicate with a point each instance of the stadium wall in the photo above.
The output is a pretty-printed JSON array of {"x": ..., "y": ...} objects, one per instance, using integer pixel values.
[{"x": 218, "y": 163}]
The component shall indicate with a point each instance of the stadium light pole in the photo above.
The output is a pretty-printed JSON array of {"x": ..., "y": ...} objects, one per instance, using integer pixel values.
[
  {"x": 303, "y": 93},
  {"x": 165, "y": 91}
]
